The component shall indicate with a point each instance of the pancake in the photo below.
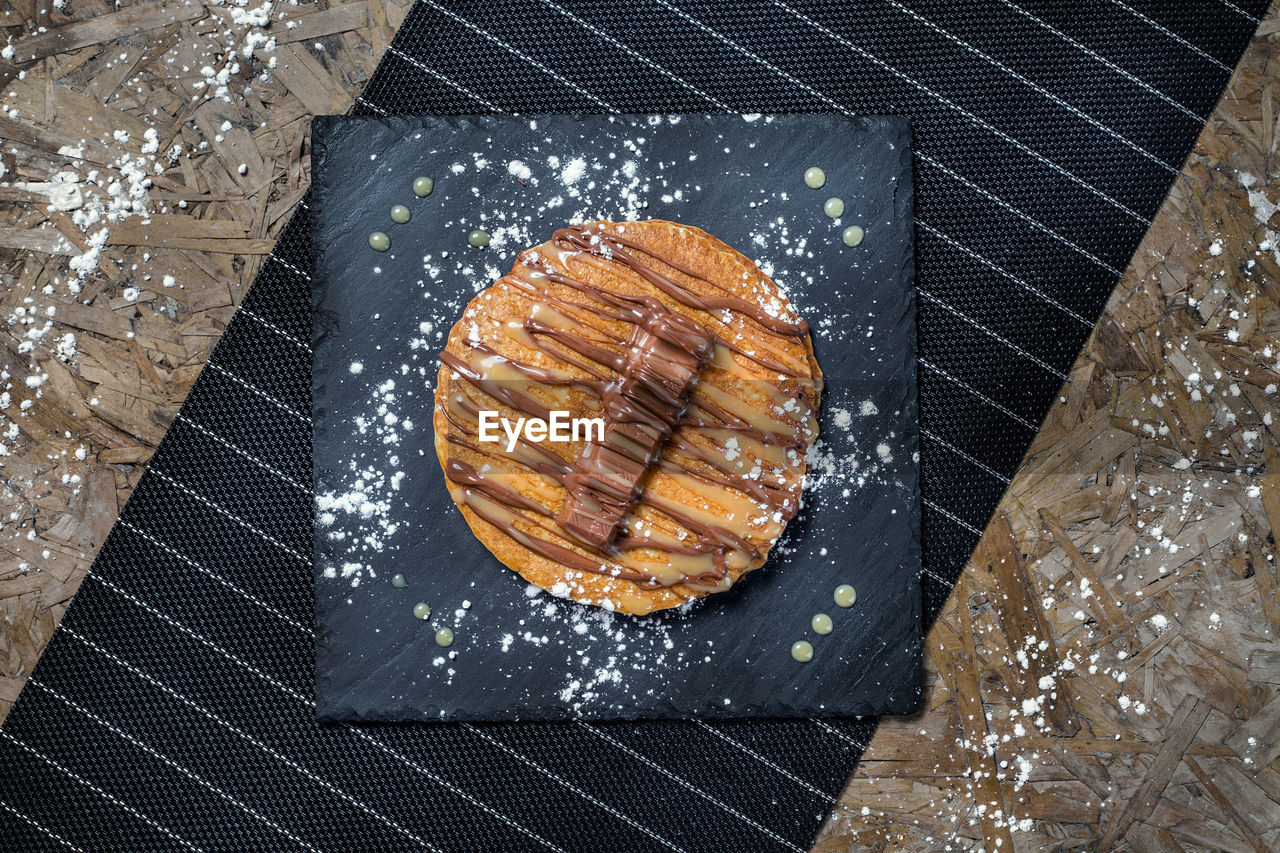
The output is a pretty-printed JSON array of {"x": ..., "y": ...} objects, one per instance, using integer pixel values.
[{"x": 695, "y": 385}]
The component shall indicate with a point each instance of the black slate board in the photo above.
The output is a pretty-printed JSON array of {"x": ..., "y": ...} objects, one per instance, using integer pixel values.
[{"x": 384, "y": 508}]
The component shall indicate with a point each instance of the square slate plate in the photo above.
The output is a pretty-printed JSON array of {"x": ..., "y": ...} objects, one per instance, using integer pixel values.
[{"x": 379, "y": 319}]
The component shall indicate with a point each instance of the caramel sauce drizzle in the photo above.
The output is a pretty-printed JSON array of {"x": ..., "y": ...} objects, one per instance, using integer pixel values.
[{"x": 647, "y": 386}]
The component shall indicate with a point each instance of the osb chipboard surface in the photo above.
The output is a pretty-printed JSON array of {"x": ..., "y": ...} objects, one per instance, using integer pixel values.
[{"x": 1196, "y": 770}]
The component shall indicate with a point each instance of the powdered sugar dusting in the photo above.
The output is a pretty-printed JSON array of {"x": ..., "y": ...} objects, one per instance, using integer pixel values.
[{"x": 600, "y": 662}]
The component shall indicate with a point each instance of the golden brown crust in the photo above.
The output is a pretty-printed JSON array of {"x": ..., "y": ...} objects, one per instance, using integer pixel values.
[{"x": 726, "y": 272}]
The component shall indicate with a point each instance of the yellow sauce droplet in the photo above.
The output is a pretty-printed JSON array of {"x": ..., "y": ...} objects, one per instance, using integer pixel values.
[
  {"x": 853, "y": 235},
  {"x": 422, "y": 610},
  {"x": 422, "y": 186},
  {"x": 821, "y": 623},
  {"x": 834, "y": 207},
  {"x": 400, "y": 214},
  {"x": 444, "y": 637},
  {"x": 846, "y": 595},
  {"x": 802, "y": 650},
  {"x": 814, "y": 177},
  {"x": 479, "y": 239},
  {"x": 379, "y": 242}
]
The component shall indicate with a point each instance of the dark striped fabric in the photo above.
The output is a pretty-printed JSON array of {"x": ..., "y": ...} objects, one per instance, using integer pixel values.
[{"x": 173, "y": 709}]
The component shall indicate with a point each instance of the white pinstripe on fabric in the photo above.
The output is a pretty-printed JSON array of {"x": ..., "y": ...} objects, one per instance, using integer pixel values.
[
  {"x": 44, "y": 829},
  {"x": 524, "y": 759},
  {"x": 71, "y": 774},
  {"x": 635, "y": 54},
  {"x": 377, "y": 109},
  {"x": 650, "y": 763},
  {"x": 240, "y": 521},
  {"x": 308, "y": 703},
  {"x": 175, "y": 765},
  {"x": 1241, "y": 12},
  {"x": 285, "y": 478},
  {"x": 443, "y": 79},
  {"x": 976, "y": 393},
  {"x": 823, "y": 724},
  {"x": 273, "y": 327},
  {"x": 1066, "y": 173},
  {"x": 523, "y": 56},
  {"x": 328, "y": 786},
  {"x": 199, "y": 638},
  {"x": 1034, "y": 223},
  {"x": 1071, "y": 176},
  {"x": 1034, "y": 85},
  {"x": 782, "y": 771},
  {"x": 977, "y": 463},
  {"x": 484, "y": 807},
  {"x": 996, "y": 336},
  {"x": 263, "y": 394},
  {"x": 272, "y": 256},
  {"x": 243, "y": 593},
  {"x": 1159, "y": 27},
  {"x": 997, "y": 268},
  {"x": 1090, "y": 52},
  {"x": 937, "y": 577},
  {"x": 957, "y": 519}
]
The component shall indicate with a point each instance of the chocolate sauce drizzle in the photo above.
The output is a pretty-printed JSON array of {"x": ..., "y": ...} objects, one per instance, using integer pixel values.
[{"x": 647, "y": 384}]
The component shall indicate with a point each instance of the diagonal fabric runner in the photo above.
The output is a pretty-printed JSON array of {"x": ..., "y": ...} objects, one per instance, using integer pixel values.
[{"x": 173, "y": 710}]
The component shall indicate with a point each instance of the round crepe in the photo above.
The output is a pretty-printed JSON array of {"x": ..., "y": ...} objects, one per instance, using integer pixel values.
[{"x": 692, "y": 483}]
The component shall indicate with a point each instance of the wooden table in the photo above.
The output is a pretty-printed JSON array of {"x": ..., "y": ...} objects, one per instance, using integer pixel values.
[{"x": 1106, "y": 673}]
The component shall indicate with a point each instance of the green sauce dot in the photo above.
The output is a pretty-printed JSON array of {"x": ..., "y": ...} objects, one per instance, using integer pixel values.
[
  {"x": 853, "y": 235},
  {"x": 423, "y": 186},
  {"x": 400, "y": 214},
  {"x": 444, "y": 637},
  {"x": 834, "y": 207},
  {"x": 478, "y": 238},
  {"x": 821, "y": 623},
  {"x": 846, "y": 595},
  {"x": 814, "y": 177},
  {"x": 379, "y": 242},
  {"x": 802, "y": 651},
  {"x": 399, "y": 582},
  {"x": 422, "y": 610}
]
